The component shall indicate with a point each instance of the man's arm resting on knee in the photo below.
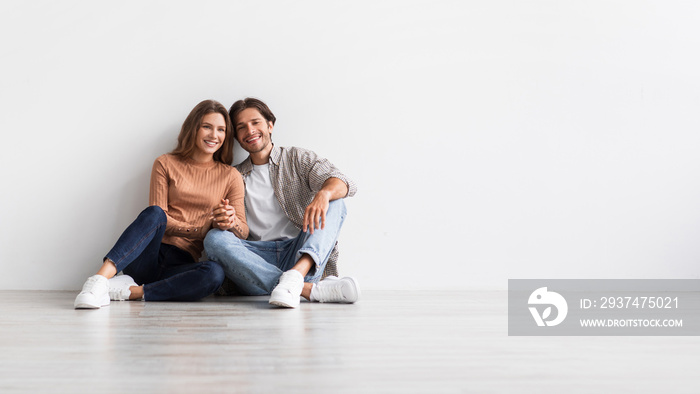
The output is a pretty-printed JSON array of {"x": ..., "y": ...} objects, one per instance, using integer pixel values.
[{"x": 315, "y": 213}]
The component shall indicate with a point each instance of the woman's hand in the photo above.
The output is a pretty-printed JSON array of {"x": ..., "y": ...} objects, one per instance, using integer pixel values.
[{"x": 224, "y": 215}]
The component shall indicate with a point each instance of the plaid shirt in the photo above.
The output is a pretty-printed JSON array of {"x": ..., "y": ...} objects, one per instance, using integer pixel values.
[{"x": 297, "y": 175}]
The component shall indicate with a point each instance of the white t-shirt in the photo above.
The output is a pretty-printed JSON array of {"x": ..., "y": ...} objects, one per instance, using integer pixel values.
[{"x": 266, "y": 219}]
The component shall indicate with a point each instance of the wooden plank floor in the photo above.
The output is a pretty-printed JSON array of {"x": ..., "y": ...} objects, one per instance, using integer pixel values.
[{"x": 418, "y": 342}]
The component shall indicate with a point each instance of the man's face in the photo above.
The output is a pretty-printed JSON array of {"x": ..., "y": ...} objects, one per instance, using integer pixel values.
[{"x": 252, "y": 130}]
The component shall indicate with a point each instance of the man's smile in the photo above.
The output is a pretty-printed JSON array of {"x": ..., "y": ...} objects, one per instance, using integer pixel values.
[{"x": 253, "y": 139}]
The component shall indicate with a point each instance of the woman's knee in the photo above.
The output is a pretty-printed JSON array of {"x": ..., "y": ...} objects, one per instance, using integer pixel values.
[{"x": 155, "y": 212}]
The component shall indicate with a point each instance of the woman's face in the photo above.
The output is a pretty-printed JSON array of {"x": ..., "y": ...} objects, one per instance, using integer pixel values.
[{"x": 211, "y": 135}]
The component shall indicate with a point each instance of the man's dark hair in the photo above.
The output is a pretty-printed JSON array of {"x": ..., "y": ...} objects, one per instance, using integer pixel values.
[{"x": 250, "y": 102}]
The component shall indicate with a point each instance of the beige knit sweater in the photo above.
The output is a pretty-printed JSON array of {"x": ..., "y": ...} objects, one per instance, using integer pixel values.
[{"x": 188, "y": 192}]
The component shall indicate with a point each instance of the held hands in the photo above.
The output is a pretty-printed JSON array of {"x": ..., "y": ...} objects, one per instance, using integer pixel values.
[
  {"x": 224, "y": 215},
  {"x": 315, "y": 213}
]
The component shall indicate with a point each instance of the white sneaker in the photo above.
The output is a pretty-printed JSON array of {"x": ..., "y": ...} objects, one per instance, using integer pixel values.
[
  {"x": 287, "y": 293},
  {"x": 94, "y": 294},
  {"x": 119, "y": 287},
  {"x": 331, "y": 289}
]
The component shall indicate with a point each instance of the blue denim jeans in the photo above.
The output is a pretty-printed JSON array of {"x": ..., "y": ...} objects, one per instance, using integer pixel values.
[
  {"x": 167, "y": 272},
  {"x": 256, "y": 266}
]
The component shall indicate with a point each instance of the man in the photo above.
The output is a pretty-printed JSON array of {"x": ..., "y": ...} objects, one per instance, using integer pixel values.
[{"x": 294, "y": 210}]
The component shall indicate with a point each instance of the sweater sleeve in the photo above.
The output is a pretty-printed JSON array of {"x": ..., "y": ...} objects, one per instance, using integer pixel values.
[
  {"x": 158, "y": 195},
  {"x": 235, "y": 195}
]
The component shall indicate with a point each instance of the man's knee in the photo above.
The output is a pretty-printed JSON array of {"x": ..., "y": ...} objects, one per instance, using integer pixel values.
[
  {"x": 212, "y": 238},
  {"x": 218, "y": 241},
  {"x": 215, "y": 238},
  {"x": 337, "y": 207}
]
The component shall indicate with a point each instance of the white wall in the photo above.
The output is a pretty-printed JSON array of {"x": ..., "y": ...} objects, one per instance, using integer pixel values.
[{"x": 489, "y": 139}]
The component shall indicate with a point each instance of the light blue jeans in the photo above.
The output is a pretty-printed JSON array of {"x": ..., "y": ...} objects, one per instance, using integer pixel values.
[{"x": 256, "y": 266}]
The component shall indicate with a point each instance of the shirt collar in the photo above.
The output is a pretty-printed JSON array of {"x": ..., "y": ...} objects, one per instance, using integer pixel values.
[
  {"x": 246, "y": 165},
  {"x": 276, "y": 155}
]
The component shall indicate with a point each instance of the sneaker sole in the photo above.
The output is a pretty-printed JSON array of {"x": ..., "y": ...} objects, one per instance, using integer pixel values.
[
  {"x": 86, "y": 305},
  {"x": 283, "y": 303}
]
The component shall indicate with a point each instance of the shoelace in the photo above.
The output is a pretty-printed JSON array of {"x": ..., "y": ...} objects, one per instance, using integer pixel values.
[
  {"x": 90, "y": 284},
  {"x": 287, "y": 282},
  {"x": 118, "y": 294},
  {"x": 330, "y": 293}
]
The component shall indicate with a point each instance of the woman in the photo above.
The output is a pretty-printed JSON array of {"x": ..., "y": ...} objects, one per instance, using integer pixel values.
[{"x": 193, "y": 188}]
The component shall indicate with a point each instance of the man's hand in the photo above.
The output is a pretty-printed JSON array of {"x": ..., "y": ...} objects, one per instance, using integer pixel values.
[
  {"x": 315, "y": 213},
  {"x": 224, "y": 215}
]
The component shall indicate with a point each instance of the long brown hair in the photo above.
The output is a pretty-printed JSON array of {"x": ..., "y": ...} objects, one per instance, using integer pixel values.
[{"x": 188, "y": 133}]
